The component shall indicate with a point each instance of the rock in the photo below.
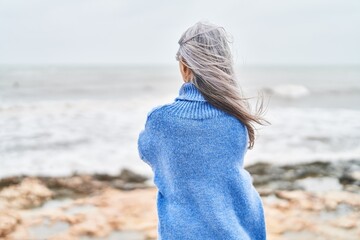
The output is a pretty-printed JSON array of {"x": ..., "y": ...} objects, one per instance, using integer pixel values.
[
  {"x": 28, "y": 194},
  {"x": 133, "y": 186},
  {"x": 301, "y": 199},
  {"x": 312, "y": 169},
  {"x": 6, "y": 182},
  {"x": 335, "y": 198},
  {"x": 112, "y": 211},
  {"x": 9, "y": 219},
  {"x": 352, "y": 188},
  {"x": 94, "y": 227},
  {"x": 263, "y": 173},
  {"x": 286, "y": 177},
  {"x": 260, "y": 168},
  {"x": 77, "y": 184},
  {"x": 348, "y": 222},
  {"x": 61, "y": 216},
  {"x": 351, "y": 172},
  {"x": 105, "y": 177},
  {"x": 130, "y": 176},
  {"x": 350, "y": 178},
  {"x": 264, "y": 191},
  {"x": 63, "y": 236}
]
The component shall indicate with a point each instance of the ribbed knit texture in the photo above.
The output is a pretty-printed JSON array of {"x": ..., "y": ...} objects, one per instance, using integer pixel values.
[{"x": 196, "y": 152}]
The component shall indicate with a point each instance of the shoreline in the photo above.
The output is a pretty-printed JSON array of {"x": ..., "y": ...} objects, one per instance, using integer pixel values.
[{"x": 302, "y": 201}]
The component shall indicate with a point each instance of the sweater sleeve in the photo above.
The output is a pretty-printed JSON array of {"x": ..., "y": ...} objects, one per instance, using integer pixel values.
[
  {"x": 140, "y": 147},
  {"x": 146, "y": 142}
]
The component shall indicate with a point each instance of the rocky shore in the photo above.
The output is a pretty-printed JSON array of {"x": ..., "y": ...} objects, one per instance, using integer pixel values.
[{"x": 318, "y": 200}]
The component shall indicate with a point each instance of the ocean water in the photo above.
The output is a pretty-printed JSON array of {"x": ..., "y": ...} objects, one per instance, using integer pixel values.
[{"x": 56, "y": 120}]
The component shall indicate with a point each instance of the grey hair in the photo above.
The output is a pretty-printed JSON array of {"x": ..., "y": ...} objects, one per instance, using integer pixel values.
[{"x": 204, "y": 48}]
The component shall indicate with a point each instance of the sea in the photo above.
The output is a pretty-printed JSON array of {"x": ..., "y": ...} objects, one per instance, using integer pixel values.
[{"x": 60, "y": 120}]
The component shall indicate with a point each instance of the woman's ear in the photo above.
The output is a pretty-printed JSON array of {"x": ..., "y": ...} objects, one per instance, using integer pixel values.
[{"x": 185, "y": 71}]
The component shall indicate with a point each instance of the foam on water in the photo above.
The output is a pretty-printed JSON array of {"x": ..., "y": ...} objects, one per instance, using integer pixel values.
[
  {"x": 57, "y": 138},
  {"x": 308, "y": 134},
  {"x": 288, "y": 91}
]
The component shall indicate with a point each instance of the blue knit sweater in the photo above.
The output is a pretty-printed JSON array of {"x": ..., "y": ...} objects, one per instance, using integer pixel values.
[{"x": 196, "y": 152}]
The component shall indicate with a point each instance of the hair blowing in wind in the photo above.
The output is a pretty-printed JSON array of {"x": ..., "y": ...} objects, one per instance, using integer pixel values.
[{"x": 204, "y": 48}]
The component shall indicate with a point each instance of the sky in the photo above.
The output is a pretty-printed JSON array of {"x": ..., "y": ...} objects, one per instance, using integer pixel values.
[{"x": 276, "y": 32}]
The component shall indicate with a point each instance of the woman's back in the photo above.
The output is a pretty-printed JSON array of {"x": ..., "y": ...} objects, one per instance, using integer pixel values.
[{"x": 196, "y": 152}]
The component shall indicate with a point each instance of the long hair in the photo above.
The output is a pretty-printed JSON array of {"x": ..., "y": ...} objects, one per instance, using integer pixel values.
[{"x": 204, "y": 48}]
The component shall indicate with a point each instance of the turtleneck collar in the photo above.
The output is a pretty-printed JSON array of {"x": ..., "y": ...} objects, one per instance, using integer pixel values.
[
  {"x": 189, "y": 91},
  {"x": 191, "y": 104}
]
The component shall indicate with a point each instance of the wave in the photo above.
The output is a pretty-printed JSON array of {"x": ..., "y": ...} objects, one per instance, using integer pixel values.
[
  {"x": 288, "y": 91},
  {"x": 306, "y": 135},
  {"x": 294, "y": 91}
]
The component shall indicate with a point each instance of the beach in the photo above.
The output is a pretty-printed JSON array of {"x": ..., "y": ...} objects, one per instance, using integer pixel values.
[
  {"x": 305, "y": 201},
  {"x": 70, "y": 169}
]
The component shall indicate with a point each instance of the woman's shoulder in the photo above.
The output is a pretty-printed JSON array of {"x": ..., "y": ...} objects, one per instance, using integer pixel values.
[
  {"x": 157, "y": 112},
  {"x": 156, "y": 109}
]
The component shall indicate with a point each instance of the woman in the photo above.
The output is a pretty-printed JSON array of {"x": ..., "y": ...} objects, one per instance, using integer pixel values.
[{"x": 196, "y": 146}]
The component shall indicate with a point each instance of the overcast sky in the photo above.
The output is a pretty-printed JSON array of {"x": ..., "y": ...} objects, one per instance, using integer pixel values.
[{"x": 146, "y": 32}]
